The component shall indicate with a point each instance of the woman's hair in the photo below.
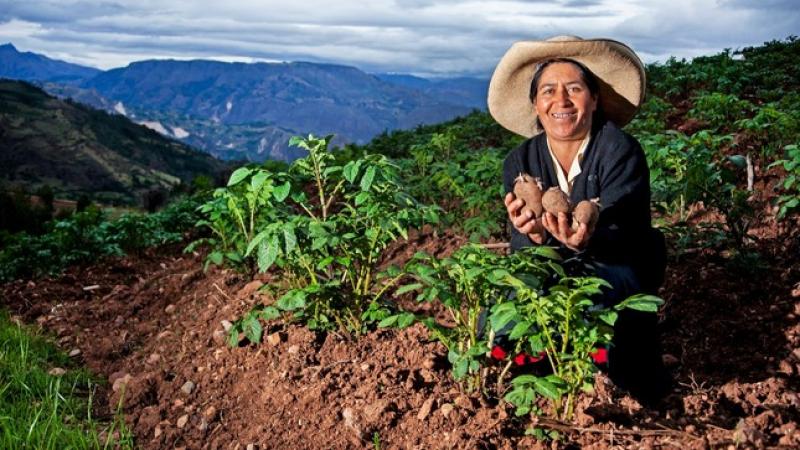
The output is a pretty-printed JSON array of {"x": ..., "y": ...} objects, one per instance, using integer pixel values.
[{"x": 586, "y": 76}]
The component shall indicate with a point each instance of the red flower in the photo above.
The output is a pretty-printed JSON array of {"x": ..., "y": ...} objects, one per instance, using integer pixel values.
[
  {"x": 600, "y": 356},
  {"x": 535, "y": 359},
  {"x": 520, "y": 359},
  {"x": 498, "y": 353}
]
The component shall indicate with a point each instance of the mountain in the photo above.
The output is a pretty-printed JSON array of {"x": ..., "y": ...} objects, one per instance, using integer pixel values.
[
  {"x": 465, "y": 91},
  {"x": 33, "y": 67},
  {"x": 249, "y": 111},
  {"x": 236, "y": 109},
  {"x": 75, "y": 149}
]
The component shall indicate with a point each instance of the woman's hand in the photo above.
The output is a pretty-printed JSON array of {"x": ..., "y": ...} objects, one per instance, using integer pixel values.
[
  {"x": 560, "y": 229},
  {"x": 524, "y": 223}
]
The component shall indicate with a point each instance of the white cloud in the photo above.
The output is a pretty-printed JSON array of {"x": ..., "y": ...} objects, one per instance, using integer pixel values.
[{"x": 417, "y": 36}]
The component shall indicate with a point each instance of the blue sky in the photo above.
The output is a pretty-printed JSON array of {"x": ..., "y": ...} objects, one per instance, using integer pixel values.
[{"x": 426, "y": 37}]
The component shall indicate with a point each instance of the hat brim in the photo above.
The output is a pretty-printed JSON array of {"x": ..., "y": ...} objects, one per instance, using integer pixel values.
[{"x": 620, "y": 75}]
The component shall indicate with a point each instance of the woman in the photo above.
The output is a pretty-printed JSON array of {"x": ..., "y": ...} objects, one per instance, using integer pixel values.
[{"x": 569, "y": 96}]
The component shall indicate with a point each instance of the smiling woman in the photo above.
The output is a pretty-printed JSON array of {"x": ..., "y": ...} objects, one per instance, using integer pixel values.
[{"x": 569, "y": 96}]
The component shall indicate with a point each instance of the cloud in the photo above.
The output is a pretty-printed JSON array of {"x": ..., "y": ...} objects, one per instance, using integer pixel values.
[{"x": 447, "y": 37}]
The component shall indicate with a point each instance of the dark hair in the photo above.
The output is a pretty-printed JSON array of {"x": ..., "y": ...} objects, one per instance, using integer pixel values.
[{"x": 586, "y": 76}]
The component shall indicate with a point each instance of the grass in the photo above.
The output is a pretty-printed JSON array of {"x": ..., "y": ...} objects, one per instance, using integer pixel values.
[{"x": 43, "y": 411}]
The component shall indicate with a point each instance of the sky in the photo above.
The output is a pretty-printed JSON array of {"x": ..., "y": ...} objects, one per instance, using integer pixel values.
[{"x": 423, "y": 37}]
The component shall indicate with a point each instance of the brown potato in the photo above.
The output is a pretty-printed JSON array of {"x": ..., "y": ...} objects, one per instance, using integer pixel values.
[
  {"x": 530, "y": 191},
  {"x": 585, "y": 212},
  {"x": 555, "y": 201}
]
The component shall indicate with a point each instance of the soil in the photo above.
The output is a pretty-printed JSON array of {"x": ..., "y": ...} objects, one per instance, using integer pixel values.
[{"x": 153, "y": 326}]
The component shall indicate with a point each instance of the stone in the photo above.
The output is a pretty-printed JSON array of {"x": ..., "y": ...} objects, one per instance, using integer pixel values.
[
  {"x": 157, "y": 432},
  {"x": 210, "y": 412},
  {"x": 349, "y": 417},
  {"x": 464, "y": 402},
  {"x": 56, "y": 372},
  {"x": 373, "y": 412},
  {"x": 154, "y": 358},
  {"x": 219, "y": 336},
  {"x": 170, "y": 309},
  {"x": 249, "y": 288},
  {"x": 121, "y": 382},
  {"x": 446, "y": 409},
  {"x": 226, "y": 325},
  {"x": 183, "y": 420},
  {"x": 187, "y": 387},
  {"x": 293, "y": 350},
  {"x": 74, "y": 353},
  {"x": 425, "y": 409},
  {"x": 274, "y": 339},
  {"x": 428, "y": 364}
]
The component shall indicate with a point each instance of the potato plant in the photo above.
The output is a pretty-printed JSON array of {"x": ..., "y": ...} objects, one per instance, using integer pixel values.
[
  {"x": 562, "y": 322},
  {"x": 463, "y": 181},
  {"x": 324, "y": 225},
  {"x": 789, "y": 200},
  {"x": 250, "y": 200},
  {"x": 468, "y": 282}
]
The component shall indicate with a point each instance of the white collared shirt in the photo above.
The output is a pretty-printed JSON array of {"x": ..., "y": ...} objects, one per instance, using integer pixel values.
[{"x": 565, "y": 180}]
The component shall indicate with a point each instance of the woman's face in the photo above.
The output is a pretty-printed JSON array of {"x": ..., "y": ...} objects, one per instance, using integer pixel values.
[{"x": 563, "y": 103}]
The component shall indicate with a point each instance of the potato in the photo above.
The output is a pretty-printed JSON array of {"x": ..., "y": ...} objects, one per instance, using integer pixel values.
[
  {"x": 555, "y": 201},
  {"x": 530, "y": 191},
  {"x": 586, "y": 212}
]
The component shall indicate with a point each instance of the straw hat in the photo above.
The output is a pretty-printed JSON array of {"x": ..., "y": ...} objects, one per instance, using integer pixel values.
[{"x": 619, "y": 72}]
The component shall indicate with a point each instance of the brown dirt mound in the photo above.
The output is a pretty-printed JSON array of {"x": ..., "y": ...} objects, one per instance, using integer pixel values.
[{"x": 153, "y": 325}]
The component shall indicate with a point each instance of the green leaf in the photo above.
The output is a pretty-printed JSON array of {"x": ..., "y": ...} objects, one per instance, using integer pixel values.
[
  {"x": 351, "y": 170},
  {"x": 519, "y": 330},
  {"x": 238, "y": 175},
  {"x": 407, "y": 288},
  {"x": 269, "y": 313},
  {"x": 547, "y": 389},
  {"x": 292, "y": 300},
  {"x": 502, "y": 314},
  {"x": 547, "y": 252},
  {"x": 609, "y": 317},
  {"x": 388, "y": 322},
  {"x": 641, "y": 302},
  {"x": 215, "y": 258},
  {"x": 252, "y": 329},
  {"x": 258, "y": 180},
  {"x": 290, "y": 239},
  {"x": 738, "y": 160},
  {"x": 281, "y": 192},
  {"x": 361, "y": 198},
  {"x": 405, "y": 319},
  {"x": 267, "y": 253},
  {"x": 256, "y": 240},
  {"x": 233, "y": 337},
  {"x": 366, "y": 180}
]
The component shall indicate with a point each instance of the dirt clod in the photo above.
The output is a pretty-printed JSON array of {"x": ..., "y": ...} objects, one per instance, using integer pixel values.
[
  {"x": 187, "y": 387},
  {"x": 425, "y": 409}
]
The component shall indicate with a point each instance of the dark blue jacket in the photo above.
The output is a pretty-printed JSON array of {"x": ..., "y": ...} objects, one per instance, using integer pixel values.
[{"x": 614, "y": 168}]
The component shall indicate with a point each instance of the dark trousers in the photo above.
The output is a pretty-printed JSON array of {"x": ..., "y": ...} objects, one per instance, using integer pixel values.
[{"x": 634, "y": 356}]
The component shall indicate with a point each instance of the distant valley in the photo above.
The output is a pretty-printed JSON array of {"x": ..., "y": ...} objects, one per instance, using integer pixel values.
[
  {"x": 249, "y": 111},
  {"x": 76, "y": 150}
]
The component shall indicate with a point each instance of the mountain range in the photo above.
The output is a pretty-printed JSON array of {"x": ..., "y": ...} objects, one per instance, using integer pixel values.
[
  {"x": 75, "y": 150},
  {"x": 249, "y": 111}
]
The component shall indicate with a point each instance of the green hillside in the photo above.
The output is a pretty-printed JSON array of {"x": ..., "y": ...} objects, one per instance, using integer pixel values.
[{"x": 77, "y": 150}]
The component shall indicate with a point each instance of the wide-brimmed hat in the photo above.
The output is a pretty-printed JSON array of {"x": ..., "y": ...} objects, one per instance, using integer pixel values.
[{"x": 619, "y": 72}]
